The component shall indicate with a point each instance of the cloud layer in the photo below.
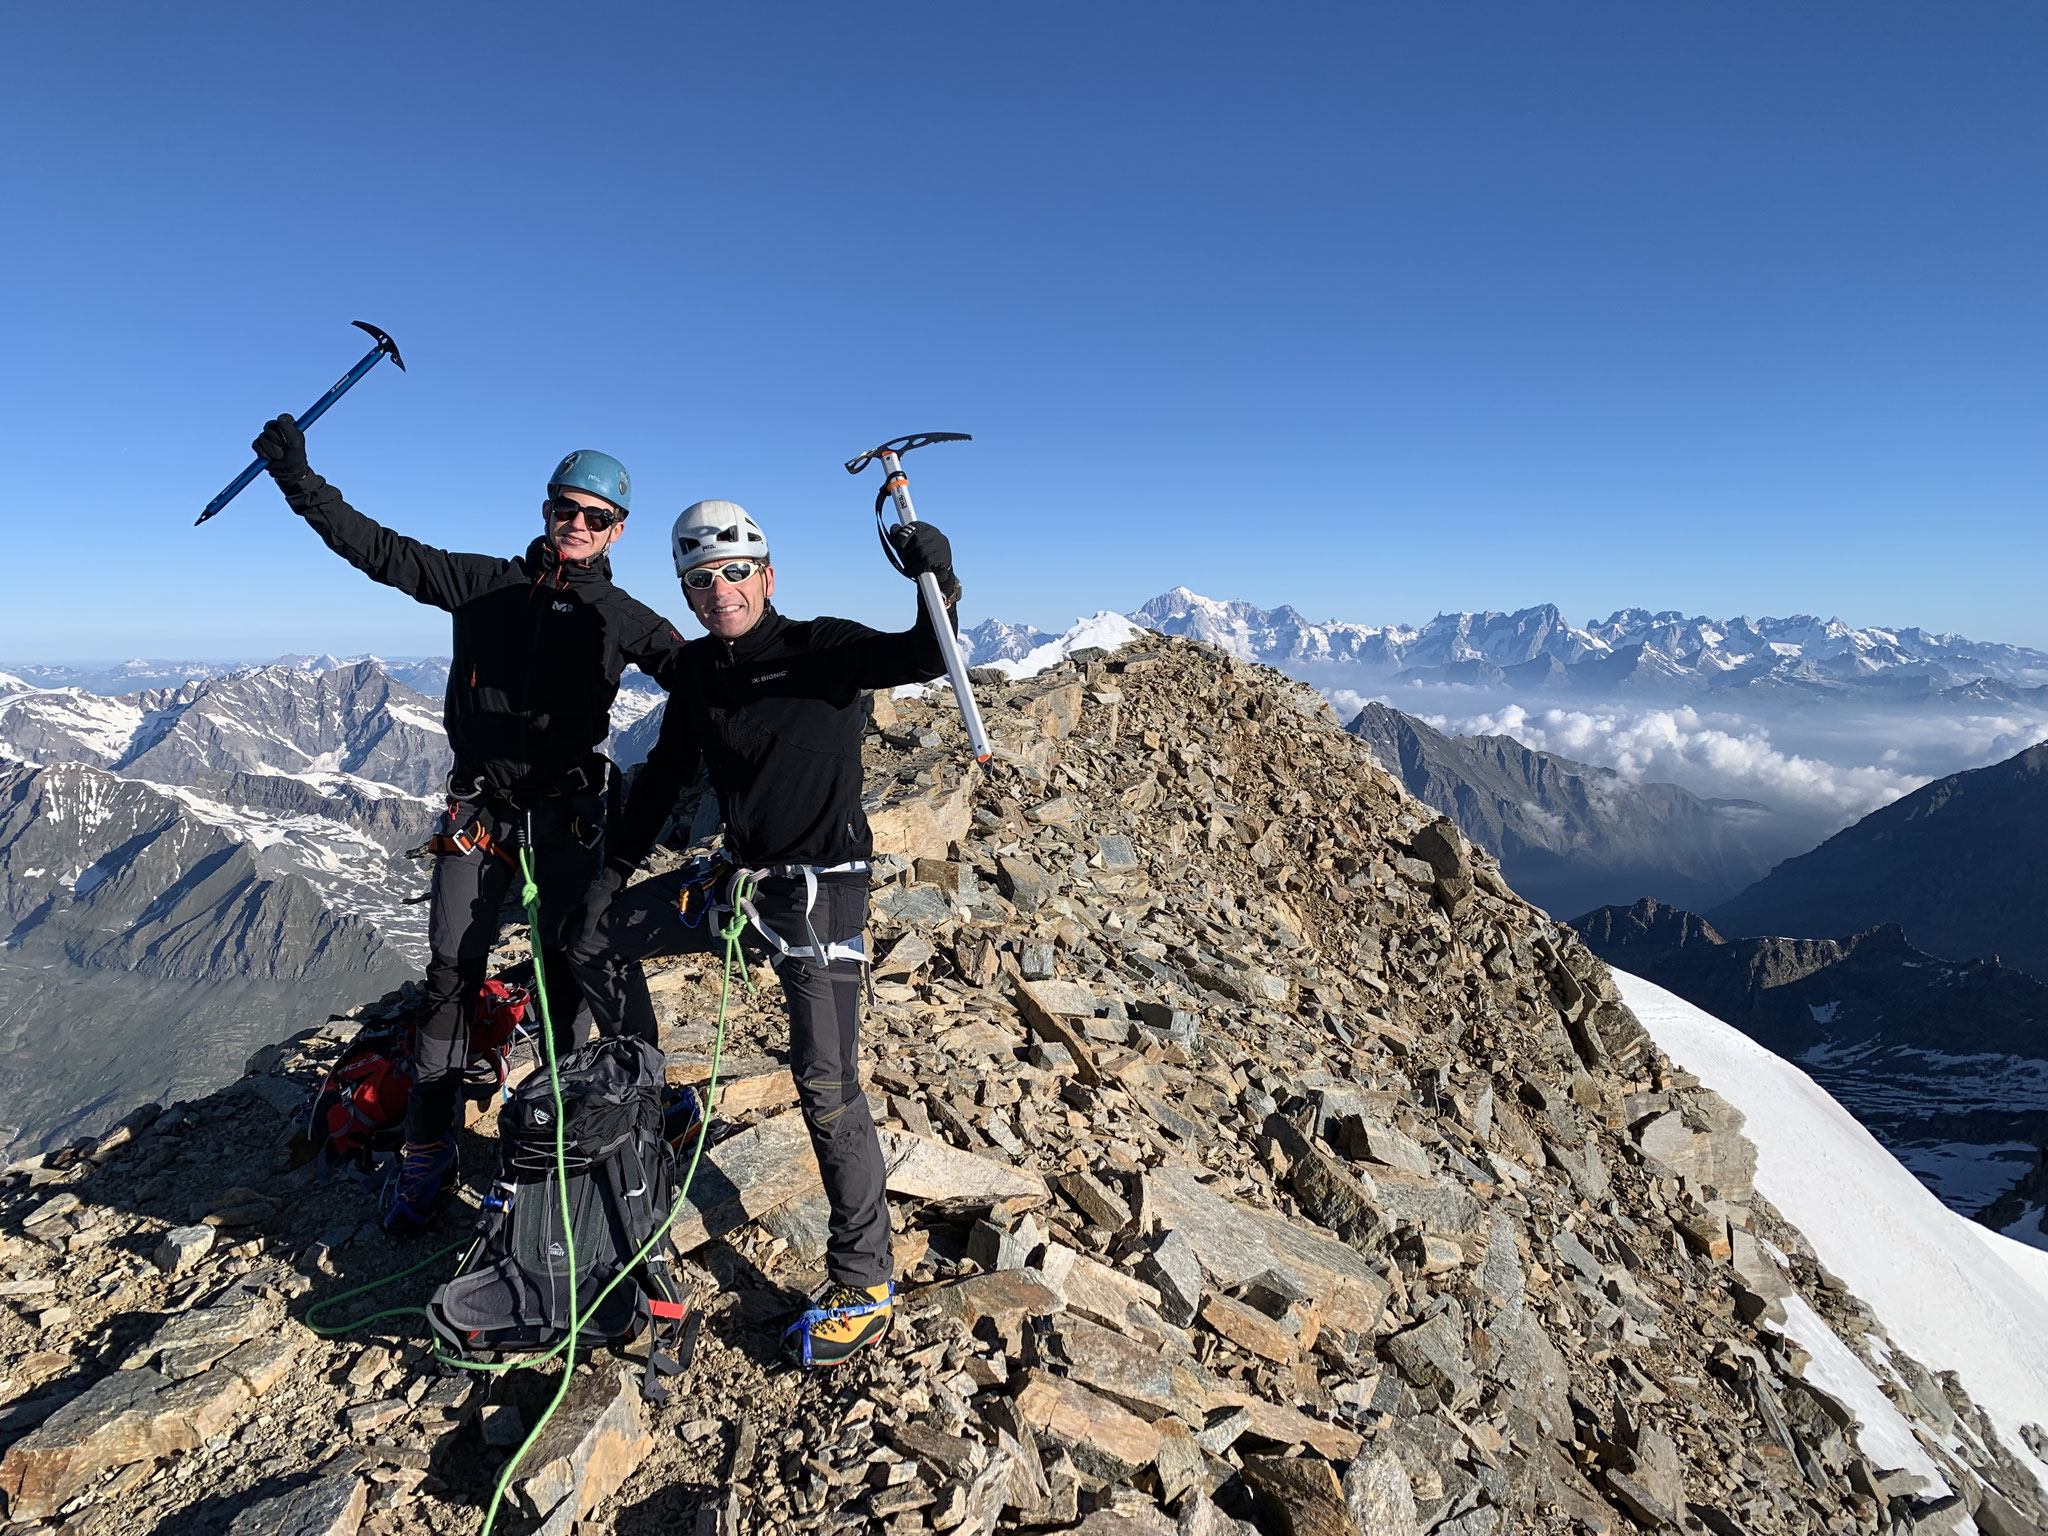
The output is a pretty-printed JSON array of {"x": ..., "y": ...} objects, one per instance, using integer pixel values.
[{"x": 1832, "y": 769}]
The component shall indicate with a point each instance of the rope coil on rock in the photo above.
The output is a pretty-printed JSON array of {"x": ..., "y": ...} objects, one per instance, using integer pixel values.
[{"x": 529, "y": 897}]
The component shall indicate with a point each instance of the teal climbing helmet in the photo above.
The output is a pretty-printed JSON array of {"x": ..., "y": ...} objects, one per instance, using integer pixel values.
[{"x": 597, "y": 473}]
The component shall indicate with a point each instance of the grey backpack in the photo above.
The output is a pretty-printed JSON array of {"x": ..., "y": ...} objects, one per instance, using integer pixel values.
[{"x": 511, "y": 1292}]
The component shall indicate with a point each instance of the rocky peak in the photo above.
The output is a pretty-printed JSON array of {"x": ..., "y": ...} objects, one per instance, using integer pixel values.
[{"x": 1259, "y": 1160}]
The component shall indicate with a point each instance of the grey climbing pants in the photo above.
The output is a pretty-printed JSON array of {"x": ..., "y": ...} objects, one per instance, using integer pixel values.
[{"x": 824, "y": 1033}]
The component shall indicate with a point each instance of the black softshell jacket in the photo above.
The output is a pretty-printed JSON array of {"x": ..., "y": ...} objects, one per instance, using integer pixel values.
[
  {"x": 539, "y": 643},
  {"x": 776, "y": 717}
]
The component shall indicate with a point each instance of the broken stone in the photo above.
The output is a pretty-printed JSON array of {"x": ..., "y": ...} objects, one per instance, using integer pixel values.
[
  {"x": 1642, "y": 1506},
  {"x": 1044, "y": 1006},
  {"x": 330, "y": 1506},
  {"x": 1096, "y": 1200},
  {"x": 1116, "y": 853},
  {"x": 1583, "y": 1165},
  {"x": 263, "y": 1363},
  {"x": 1094, "y": 1290},
  {"x": 1172, "y": 1270},
  {"x": 905, "y": 957},
  {"x": 1107, "y": 1443},
  {"x": 1235, "y": 1245},
  {"x": 1027, "y": 886},
  {"x": 1249, "y": 1329},
  {"x": 1430, "y": 1355},
  {"x": 772, "y": 1165},
  {"x": 588, "y": 1449},
  {"x": 1304, "y": 1493},
  {"x": 1003, "y": 1299},
  {"x": 126, "y": 1417},
  {"x": 1377, "y": 1492},
  {"x": 192, "y": 1341},
  {"x": 1143, "y": 1380},
  {"x": 181, "y": 1248}
]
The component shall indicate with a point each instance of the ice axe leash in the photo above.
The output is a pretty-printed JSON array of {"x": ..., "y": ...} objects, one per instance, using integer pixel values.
[
  {"x": 385, "y": 346},
  {"x": 896, "y": 487}
]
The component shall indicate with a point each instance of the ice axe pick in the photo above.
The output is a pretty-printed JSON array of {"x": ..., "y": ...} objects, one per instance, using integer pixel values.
[
  {"x": 385, "y": 346},
  {"x": 896, "y": 487}
]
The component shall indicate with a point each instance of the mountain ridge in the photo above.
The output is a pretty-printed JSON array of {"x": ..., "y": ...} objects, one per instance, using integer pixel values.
[
  {"x": 1956, "y": 864},
  {"x": 1633, "y": 649},
  {"x": 1255, "y": 1154},
  {"x": 1570, "y": 836},
  {"x": 1946, "y": 1063},
  {"x": 145, "y": 951}
]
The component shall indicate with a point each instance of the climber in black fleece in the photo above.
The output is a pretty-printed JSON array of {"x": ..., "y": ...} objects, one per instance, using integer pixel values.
[
  {"x": 772, "y": 707},
  {"x": 540, "y": 641}
]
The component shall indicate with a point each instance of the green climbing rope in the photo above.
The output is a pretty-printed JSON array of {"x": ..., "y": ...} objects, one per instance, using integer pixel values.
[{"x": 529, "y": 896}]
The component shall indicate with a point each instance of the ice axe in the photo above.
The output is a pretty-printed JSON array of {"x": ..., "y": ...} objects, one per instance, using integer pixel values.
[
  {"x": 896, "y": 487},
  {"x": 385, "y": 345}
]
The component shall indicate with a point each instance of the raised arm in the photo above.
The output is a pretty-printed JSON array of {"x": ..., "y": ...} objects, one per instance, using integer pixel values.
[
  {"x": 420, "y": 571},
  {"x": 851, "y": 655}
]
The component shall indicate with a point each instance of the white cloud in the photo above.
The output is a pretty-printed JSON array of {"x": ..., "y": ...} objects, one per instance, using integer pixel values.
[{"x": 1722, "y": 756}]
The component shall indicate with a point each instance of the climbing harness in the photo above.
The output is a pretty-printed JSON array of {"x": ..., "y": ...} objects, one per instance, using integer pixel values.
[
  {"x": 854, "y": 949},
  {"x": 700, "y": 898},
  {"x": 821, "y": 1314},
  {"x": 741, "y": 891}
]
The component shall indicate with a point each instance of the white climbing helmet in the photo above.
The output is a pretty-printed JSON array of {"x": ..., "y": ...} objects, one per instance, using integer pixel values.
[{"x": 716, "y": 530}]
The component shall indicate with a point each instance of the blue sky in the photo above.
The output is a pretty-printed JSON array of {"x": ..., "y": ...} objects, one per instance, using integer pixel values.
[{"x": 1379, "y": 310}]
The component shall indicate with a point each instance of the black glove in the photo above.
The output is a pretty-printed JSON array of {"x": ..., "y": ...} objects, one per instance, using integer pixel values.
[
  {"x": 284, "y": 445},
  {"x": 922, "y": 548},
  {"x": 589, "y": 914}
]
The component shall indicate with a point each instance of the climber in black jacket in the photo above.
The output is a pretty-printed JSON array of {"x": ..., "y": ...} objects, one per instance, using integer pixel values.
[
  {"x": 540, "y": 641},
  {"x": 772, "y": 707}
]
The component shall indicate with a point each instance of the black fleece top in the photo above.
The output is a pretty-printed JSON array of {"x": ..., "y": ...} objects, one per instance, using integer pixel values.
[
  {"x": 539, "y": 644},
  {"x": 776, "y": 717}
]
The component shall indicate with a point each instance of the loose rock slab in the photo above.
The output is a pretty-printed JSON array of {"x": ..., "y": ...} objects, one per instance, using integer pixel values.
[
  {"x": 589, "y": 1448},
  {"x": 333, "y": 1506}
]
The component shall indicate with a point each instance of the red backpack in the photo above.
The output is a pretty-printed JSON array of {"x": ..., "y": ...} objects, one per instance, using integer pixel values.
[{"x": 360, "y": 1109}]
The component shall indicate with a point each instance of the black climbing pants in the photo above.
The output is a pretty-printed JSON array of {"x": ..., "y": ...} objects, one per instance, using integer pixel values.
[
  {"x": 471, "y": 882},
  {"x": 824, "y": 1033}
]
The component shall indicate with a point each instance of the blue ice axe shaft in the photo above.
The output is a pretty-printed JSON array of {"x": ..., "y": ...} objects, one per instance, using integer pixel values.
[{"x": 318, "y": 409}]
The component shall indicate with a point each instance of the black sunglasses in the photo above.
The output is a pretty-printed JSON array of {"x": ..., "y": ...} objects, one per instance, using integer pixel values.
[
  {"x": 701, "y": 577},
  {"x": 596, "y": 519}
]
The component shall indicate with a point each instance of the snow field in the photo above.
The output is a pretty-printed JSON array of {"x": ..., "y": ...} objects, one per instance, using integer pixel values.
[{"x": 1953, "y": 1295}]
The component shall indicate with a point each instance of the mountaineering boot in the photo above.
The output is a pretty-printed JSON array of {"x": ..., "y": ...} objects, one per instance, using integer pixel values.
[
  {"x": 845, "y": 1321},
  {"x": 416, "y": 1186},
  {"x": 682, "y": 1120}
]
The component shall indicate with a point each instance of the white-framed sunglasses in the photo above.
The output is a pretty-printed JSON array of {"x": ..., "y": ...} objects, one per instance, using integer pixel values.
[{"x": 733, "y": 572}]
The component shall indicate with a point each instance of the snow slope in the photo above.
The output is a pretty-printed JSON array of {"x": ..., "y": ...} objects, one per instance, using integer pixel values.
[
  {"x": 1953, "y": 1295},
  {"x": 1105, "y": 629}
]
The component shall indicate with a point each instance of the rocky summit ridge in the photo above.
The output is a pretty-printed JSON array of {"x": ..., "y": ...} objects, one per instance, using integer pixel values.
[{"x": 1259, "y": 1160}]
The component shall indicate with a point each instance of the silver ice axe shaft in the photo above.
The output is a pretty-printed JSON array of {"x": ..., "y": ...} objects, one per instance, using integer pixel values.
[
  {"x": 385, "y": 346},
  {"x": 896, "y": 488}
]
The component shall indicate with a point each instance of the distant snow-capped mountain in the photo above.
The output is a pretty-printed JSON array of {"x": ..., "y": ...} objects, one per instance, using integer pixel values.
[
  {"x": 423, "y": 674},
  {"x": 992, "y": 641},
  {"x": 327, "y": 775},
  {"x": 1633, "y": 650}
]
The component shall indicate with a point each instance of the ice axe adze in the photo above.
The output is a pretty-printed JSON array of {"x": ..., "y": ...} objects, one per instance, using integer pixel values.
[
  {"x": 897, "y": 488},
  {"x": 385, "y": 345}
]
